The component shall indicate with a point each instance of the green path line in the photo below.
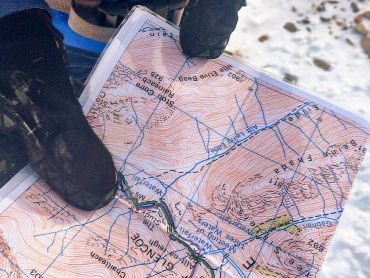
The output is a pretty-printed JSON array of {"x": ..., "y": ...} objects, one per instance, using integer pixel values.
[{"x": 170, "y": 225}]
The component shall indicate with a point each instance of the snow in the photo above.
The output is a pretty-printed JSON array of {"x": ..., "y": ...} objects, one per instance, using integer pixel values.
[{"x": 347, "y": 85}]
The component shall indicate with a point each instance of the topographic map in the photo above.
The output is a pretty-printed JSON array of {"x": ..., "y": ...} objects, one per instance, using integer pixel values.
[{"x": 224, "y": 172}]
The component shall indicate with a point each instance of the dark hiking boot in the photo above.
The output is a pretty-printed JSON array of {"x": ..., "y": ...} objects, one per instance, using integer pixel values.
[
  {"x": 206, "y": 26},
  {"x": 38, "y": 101}
]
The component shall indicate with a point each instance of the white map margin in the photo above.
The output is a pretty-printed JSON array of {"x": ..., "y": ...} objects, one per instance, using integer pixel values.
[
  {"x": 105, "y": 65},
  {"x": 16, "y": 186}
]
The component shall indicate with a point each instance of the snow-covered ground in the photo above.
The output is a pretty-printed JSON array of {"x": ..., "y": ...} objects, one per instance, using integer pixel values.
[{"x": 326, "y": 33}]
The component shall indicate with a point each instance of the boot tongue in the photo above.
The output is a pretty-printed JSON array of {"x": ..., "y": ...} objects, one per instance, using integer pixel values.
[{"x": 40, "y": 53}]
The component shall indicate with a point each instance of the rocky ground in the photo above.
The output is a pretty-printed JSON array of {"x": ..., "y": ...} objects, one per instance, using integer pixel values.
[{"x": 324, "y": 48}]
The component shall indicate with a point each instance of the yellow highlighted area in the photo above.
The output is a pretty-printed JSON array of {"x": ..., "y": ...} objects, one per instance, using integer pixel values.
[
  {"x": 279, "y": 223},
  {"x": 294, "y": 230},
  {"x": 267, "y": 272}
]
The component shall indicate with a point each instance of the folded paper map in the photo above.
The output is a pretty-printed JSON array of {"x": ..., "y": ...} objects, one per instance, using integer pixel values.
[{"x": 224, "y": 172}]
